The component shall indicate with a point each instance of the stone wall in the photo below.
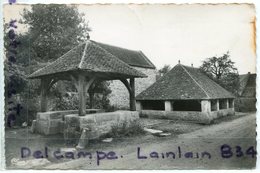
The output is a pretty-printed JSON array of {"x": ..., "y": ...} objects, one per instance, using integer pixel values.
[
  {"x": 49, "y": 123},
  {"x": 92, "y": 126},
  {"x": 120, "y": 96},
  {"x": 52, "y": 122},
  {"x": 190, "y": 116},
  {"x": 101, "y": 123},
  {"x": 222, "y": 113}
]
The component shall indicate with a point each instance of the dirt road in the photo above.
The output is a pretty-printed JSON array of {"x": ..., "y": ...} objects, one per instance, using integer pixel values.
[{"x": 203, "y": 145}]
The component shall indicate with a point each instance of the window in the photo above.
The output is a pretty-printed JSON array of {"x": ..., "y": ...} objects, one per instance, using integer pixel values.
[
  {"x": 152, "y": 105},
  {"x": 223, "y": 104},
  {"x": 230, "y": 103},
  {"x": 214, "y": 105},
  {"x": 186, "y": 105}
]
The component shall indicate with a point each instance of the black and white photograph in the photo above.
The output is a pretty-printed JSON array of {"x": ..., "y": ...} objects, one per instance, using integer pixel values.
[{"x": 129, "y": 86}]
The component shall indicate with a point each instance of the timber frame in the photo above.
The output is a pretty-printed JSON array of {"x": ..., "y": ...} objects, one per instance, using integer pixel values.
[
  {"x": 86, "y": 65},
  {"x": 85, "y": 84}
]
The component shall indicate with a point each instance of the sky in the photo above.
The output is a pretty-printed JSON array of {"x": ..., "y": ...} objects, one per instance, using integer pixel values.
[{"x": 168, "y": 33}]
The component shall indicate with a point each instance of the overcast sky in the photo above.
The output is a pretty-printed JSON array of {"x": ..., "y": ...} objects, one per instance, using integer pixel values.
[{"x": 168, "y": 33}]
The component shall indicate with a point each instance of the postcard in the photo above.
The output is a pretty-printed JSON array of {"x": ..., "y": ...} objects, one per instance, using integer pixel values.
[{"x": 129, "y": 86}]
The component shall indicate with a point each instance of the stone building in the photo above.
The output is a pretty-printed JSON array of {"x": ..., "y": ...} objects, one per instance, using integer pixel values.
[
  {"x": 137, "y": 60},
  {"x": 185, "y": 93},
  {"x": 246, "y": 100}
]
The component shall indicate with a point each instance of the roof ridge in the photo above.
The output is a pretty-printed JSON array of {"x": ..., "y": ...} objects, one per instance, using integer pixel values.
[
  {"x": 108, "y": 44},
  {"x": 195, "y": 81},
  {"x": 83, "y": 55},
  {"x": 118, "y": 59},
  {"x": 143, "y": 55},
  {"x": 130, "y": 56}
]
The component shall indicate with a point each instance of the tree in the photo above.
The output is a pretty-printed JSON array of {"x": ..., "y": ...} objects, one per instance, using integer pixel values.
[
  {"x": 165, "y": 69},
  {"x": 53, "y": 30},
  {"x": 223, "y": 71},
  {"x": 217, "y": 67},
  {"x": 15, "y": 79}
]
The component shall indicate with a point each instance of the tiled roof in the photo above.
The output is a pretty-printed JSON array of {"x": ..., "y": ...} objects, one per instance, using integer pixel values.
[
  {"x": 88, "y": 57},
  {"x": 131, "y": 57},
  {"x": 183, "y": 83}
]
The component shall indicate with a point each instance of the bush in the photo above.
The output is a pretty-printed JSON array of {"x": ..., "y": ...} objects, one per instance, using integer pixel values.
[
  {"x": 67, "y": 102},
  {"x": 111, "y": 108},
  {"x": 245, "y": 104},
  {"x": 126, "y": 129}
]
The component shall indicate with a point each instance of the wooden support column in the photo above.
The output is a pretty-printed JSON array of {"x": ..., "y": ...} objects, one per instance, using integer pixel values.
[
  {"x": 132, "y": 95},
  {"x": 44, "y": 89},
  {"x": 131, "y": 89},
  {"x": 83, "y": 86},
  {"x": 91, "y": 99},
  {"x": 82, "y": 94}
]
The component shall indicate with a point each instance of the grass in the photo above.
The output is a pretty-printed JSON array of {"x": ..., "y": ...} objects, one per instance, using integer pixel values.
[{"x": 126, "y": 129}]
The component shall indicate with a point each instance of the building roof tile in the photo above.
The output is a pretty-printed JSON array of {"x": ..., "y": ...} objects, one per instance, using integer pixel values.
[
  {"x": 131, "y": 57},
  {"x": 88, "y": 57},
  {"x": 184, "y": 83}
]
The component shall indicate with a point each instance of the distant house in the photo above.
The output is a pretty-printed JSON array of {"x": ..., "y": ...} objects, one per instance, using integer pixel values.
[
  {"x": 186, "y": 93},
  {"x": 137, "y": 60},
  {"x": 247, "y": 93}
]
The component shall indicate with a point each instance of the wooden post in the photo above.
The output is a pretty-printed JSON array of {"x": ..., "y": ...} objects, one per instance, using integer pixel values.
[
  {"x": 83, "y": 87},
  {"x": 91, "y": 99},
  {"x": 131, "y": 89},
  {"x": 44, "y": 103},
  {"x": 82, "y": 94},
  {"x": 132, "y": 94}
]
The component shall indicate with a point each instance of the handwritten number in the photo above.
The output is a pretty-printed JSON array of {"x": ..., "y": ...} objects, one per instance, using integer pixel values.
[
  {"x": 239, "y": 152},
  {"x": 251, "y": 151},
  {"x": 226, "y": 151}
]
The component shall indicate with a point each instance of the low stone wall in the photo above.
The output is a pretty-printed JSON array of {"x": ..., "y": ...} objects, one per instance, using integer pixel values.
[
  {"x": 191, "y": 116},
  {"x": 198, "y": 117},
  {"x": 101, "y": 123},
  {"x": 52, "y": 122},
  {"x": 222, "y": 113},
  {"x": 92, "y": 126}
]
